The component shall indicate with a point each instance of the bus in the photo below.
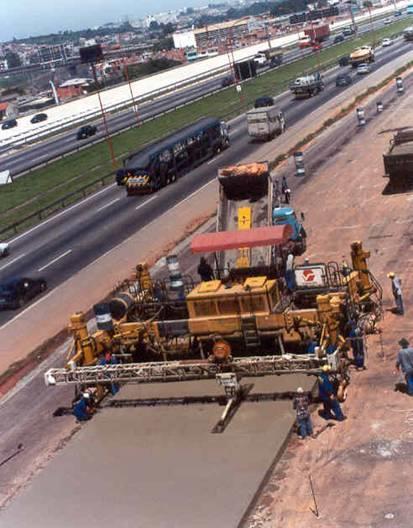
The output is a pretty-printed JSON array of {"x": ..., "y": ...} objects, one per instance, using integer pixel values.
[
  {"x": 409, "y": 10},
  {"x": 164, "y": 161}
]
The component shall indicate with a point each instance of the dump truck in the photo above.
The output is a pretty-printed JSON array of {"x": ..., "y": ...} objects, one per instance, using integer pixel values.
[
  {"x": 245, "y": 201},
  {"x": 398, "y": 160},
  {"x": 307, "y": 85},
  {"x": 317, "y": 33},
  {"x": 265, "y": 123},
  {"x": 362, "y": 54}
]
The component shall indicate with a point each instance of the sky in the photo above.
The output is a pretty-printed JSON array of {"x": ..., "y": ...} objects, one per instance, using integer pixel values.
[{"x": 22, "y": 18}]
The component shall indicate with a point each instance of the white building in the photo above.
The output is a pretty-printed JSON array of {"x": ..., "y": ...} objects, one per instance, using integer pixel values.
[
  {"x": 3, "y": 65},
  {"x": 162, "y": 18},
  {"x": 184, "y": 39}
]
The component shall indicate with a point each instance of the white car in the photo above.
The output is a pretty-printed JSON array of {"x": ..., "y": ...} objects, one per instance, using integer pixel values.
[
  {"x": 386, "y": 42},
  {"x": 363, "y": 68},
  {"x": 388, "y": 21},
  {"x": 4, "y": 249}
]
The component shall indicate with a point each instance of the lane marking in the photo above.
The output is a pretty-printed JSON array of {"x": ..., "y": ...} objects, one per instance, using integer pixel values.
[
  {"x": 107, "y": 204},
  {"x": 13, "y": 261},
  {"x": 213, "y": 159},
  {"x": 62, "y": 213},
  {"x": 146, "y": 201},
  {"x": 104, "y": 255},
  {"x": 27, "y": 309},
  {"x": 55, "y": 260}
]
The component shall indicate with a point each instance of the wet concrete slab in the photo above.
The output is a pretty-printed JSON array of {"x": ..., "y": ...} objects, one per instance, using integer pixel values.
[{"x": 160, "y": 466}]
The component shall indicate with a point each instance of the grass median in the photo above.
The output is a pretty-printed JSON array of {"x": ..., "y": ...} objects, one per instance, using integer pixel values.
[{"x": 42, "y": 188}]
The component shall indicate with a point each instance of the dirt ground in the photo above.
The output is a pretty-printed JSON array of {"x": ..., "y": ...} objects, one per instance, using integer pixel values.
[{"x": 359, "y": 468}]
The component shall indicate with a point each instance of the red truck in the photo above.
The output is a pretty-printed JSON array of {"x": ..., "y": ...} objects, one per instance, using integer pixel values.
[{"x": 314, "y": 34}]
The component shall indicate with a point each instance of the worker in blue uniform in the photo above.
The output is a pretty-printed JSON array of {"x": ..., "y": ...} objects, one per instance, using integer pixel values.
[
  {"x": 81, "y": 408},
  {"x": 328, "y": 397}
]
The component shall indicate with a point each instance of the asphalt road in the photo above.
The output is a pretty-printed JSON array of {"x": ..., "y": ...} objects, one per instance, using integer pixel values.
[
  {"x": 67, "y": 242},
  {"x": 22, "y": 160}
]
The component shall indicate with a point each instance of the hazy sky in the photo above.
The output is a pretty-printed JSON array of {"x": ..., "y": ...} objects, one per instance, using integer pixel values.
[{"x": 21, "y": 18}]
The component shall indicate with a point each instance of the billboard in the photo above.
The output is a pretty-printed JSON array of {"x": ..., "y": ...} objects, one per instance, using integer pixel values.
[{"x": 90, "y": 54}]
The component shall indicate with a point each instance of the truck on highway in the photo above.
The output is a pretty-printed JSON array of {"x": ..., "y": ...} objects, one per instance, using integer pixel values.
[
  {"x": 408, "y": 33},
  {"x": 164, "y": 161},
  {"x": 313, "y": 35},
  {"x": 317, "y": 33},
  {"x": 246, "y": 201},
  {"x": 398, "y": 160},
  {"x": 307, "y": 85},
  {"x": 272, "y": 57},
  {"x": 364, "y": 54},
  {"x": 265, "y": 123}
]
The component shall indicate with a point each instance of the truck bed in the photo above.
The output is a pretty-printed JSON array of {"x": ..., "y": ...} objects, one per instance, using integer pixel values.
[
  {"x": 398, "y": 161},
  {"x": 254, "y": 202}
]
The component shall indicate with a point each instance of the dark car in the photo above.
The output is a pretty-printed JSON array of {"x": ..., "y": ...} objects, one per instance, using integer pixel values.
[
  {"x": 38, "y": 118},
  {"x": 227, "y": 81},
  {"x": 15, "y": 293},
  {"x": 265, "y": 100},
  {"x": 10, "y": 123},
  {"x": 338, "y": 38},
  {"x": 344, "y": 61},
  {"x": 86, "y": 131},
  {"x": 343, "y": 79}
]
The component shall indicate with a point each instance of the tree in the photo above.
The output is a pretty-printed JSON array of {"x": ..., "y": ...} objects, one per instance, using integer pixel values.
[
  {"x": 153, "y": 26},
  {"x": 13, "y": 59}
]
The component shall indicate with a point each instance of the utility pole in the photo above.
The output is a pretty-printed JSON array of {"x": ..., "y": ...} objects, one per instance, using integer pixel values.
[
  {"x": 134, "y": 103},
  {"x": 108, "y": 137}
]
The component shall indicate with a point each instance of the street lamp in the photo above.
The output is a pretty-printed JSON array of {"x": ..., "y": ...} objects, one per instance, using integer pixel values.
[{"x": 91, "y": 55}]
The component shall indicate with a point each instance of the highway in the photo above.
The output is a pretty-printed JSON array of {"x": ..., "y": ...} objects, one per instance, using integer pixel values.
[
  {"x": 57, "y": 146},
  {"x": 67, "y": 242},
  {"x": 120, "y": 95},
  {"x": 25, "y": 158}
]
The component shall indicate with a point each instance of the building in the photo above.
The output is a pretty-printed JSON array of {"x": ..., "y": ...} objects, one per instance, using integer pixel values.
[
  {"x": 215, "y": 35},
  {"x": 184, "y": 39},
  {"x": 3, "y": 65},
  {"x": 73, "y": 88},
  {"x": 170, "y": 17}
]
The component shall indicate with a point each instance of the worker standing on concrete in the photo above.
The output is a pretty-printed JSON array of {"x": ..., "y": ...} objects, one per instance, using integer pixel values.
[
  {"x": 404, "y": 363},
  {"x": 327, "y": 396},
  {"x": 205, "y": 271},
  {"x": 301, "y": 405},
  {"x": 396, "y": 286}
]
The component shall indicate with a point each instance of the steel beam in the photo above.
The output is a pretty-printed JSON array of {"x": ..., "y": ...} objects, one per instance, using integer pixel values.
[{"x": 183, "y": 370}]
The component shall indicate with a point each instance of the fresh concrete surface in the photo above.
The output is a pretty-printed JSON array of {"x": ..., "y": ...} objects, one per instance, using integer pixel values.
[{"x": 160, "y": 466}]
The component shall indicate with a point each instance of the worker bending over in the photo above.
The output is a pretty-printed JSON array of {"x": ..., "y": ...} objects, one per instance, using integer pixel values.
[{"x": 327, "y": 395}]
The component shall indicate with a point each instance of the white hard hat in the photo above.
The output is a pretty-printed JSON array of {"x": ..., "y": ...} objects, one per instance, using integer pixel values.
[{"x": 300, "y": 390}]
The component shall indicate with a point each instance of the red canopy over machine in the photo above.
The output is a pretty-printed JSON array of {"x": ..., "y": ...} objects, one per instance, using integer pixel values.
[{"x": 245, "y": 238}]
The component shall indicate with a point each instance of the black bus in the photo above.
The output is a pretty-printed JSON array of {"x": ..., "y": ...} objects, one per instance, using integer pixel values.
[{"x": 164, "y": 161}]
